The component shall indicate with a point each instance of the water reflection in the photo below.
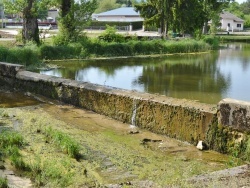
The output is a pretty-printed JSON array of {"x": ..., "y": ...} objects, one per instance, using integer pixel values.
[{"x": 205, "y": 77}]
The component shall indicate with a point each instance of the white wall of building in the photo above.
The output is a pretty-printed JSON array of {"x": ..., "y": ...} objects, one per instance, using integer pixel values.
[{"x": 233, "y": 26}]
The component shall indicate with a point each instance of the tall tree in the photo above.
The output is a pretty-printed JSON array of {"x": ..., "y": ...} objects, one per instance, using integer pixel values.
[
  {"x": 30, "y": 30},
  {"x": 74, "y": 16},
  {"x": 157, "y": 13},
  {"x": 212, "y": 7},
  {"x": 188, "y": 16},
  {"x": 106, "y": 5},
  {"x": 28, "y": 8}
]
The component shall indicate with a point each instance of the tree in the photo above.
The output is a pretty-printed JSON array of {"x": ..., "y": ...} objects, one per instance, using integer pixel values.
[
  {"x": 106, "y": 5},
  {"x": 188, "y": 16},
  {"x": 245, "y": 7},
  {"x": 74, "y": 16},
  {"x": 157, "y": 13},
  {"x": 29, "y": 10},
  {"x": 212, "y": 7},
  {"x": 30, "y": 30}
]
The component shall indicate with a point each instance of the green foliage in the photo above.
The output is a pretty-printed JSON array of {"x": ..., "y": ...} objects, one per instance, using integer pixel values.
[
  {"x": 66, "y": 144},
  {"x": 3, "y": 182},
  {"x": 3, "y": 53},
  {"x": 212, "y": 41},
  {"x": 74, "y": 16},
  {"x": 247, "y": 21},
  {"x": 9, "y": 138},
  {"x": 246, "y": 155},
  {"x": 22, "y": 55},
  {"x": 57, "y": 172},
  {"x": 110, "y": 35},
  {"x": 106, "y": 5},
  {"x": 10, "y": 142}
]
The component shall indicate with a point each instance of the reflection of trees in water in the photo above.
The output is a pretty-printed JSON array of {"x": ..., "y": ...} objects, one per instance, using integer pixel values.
[{"x": 192, "y": 73}]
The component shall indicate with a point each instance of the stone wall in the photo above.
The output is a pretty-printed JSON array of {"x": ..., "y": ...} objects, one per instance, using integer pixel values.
[
  {"x": 178, "y": 118},
  {"x": 235, "y": 114}
]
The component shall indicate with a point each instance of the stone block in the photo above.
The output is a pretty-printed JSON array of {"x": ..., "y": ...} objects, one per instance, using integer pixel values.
[{"x": 234, "y": 113}]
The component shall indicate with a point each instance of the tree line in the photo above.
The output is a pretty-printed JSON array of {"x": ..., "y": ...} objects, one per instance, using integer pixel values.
[{"x": 183, "y": 16}]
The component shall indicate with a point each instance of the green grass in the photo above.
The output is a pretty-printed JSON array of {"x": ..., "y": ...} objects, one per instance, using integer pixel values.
[
  {"x": 233, "y": 38},
  {"x": 66, "y": 143},
  {"x": 3, "y": 182},
  {"x": 10, "y": 144}
]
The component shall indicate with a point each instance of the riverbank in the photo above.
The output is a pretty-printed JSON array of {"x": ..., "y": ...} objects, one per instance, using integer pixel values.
[{"x": 114, "y": 154}]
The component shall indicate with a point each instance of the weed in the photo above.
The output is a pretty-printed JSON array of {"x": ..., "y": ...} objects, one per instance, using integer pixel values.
[
  {"x": 65, "y": 143},
  {"x": 3, "y": 182},
  {"x": 36, "y": 171},
  {"x": 9, "y": 138},
  {"x": 9, "y": 144}
]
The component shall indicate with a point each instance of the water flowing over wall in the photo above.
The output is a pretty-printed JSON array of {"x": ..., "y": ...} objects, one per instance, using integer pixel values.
[{"x": 178, "y": 118}]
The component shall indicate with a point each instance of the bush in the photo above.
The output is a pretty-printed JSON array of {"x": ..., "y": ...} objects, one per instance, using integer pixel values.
[
  {"x": 22, "y": 55},
  {"x": 212, "y": 41},
  {"x": 110, "y": 35},
  {"x": 60, "y": 52}
]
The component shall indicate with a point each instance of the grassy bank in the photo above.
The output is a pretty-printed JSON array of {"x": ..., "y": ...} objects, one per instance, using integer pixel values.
[
  {"x": 31, "y": 54},
  {"x": 233, "y": 38}
]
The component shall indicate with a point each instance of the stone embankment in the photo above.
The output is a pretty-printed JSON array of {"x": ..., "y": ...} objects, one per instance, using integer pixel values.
[{"x": 183, "y": 119}]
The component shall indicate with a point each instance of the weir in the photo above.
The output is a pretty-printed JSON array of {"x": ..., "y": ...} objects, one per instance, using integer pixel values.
[
  {"x": 133, "y": 119},
  {"x": 182, "y": 119}
]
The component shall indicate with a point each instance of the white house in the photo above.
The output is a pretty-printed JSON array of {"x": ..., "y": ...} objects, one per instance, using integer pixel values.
[
  {"x": 124, "y": 14},
  {"x": 53, "y": 14},
  {"x": 230, "y": 22}
]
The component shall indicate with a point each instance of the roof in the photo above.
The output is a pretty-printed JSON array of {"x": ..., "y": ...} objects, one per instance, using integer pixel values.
[
  {"x": 228, "y": 15},
  {"x": 124, "y": 11}
]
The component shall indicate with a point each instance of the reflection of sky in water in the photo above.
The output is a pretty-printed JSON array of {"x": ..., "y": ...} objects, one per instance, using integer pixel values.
[
  {"x": 207, "y": 78},
  {"x": 53, "y": 72},
  {"x": 238, "y": 68},
  {"x": 121, "y": 78}
]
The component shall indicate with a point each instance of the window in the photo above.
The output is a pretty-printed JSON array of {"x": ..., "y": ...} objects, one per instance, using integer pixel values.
[
  {"x": 238, "y": 25},
  {"x": 228, "y": 25}
]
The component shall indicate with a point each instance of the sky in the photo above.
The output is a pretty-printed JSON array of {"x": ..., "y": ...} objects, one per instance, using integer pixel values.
[{"x": 240, "y": 1}]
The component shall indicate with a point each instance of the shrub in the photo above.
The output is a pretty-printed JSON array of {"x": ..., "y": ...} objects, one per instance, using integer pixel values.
[
  {"x": 22, "y": 55},
  {"x": 212, "y": 41},
  {"x": 59, "y": 52},
  {"x": 110, "y": 35}
]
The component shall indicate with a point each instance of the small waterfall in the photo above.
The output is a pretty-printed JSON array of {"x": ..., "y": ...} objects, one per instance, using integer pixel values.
[{"x": 133, "y": 118}]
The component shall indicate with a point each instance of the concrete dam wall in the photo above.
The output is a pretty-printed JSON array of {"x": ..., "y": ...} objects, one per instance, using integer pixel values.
[{"x": 182, "y": 119}]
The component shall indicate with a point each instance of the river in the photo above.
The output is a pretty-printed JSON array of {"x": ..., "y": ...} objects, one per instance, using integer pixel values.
[{"x": 206, "y": 77}]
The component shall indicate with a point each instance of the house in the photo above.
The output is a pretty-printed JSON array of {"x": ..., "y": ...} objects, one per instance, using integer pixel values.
[
  {"x": 53, "y": 15},
  {"x": 124, "y": 14},
  {"x": 230, "y": 22}
]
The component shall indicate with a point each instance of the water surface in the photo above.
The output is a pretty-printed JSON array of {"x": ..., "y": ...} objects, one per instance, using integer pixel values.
[{"x": 206, "y": 77}]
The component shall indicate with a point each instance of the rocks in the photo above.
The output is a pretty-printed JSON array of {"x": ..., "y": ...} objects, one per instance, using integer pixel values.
[{"x": 202, "y": 145}]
